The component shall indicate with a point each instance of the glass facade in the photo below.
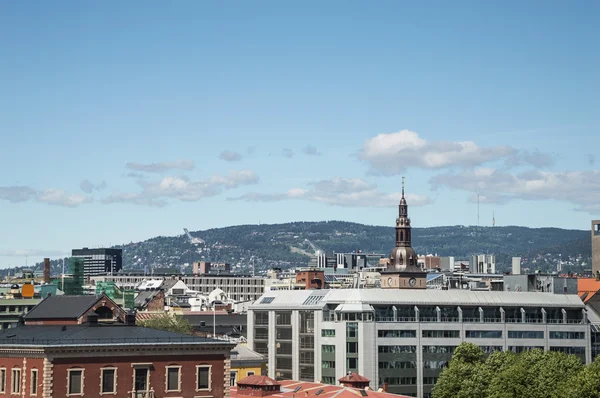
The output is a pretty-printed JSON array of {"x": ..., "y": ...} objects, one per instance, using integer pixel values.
[
  {"x": 307, "y": 346},
  {"x": 483, "y": 334},
  {"x": 283, "y": 343},
  {"x": 396, "y": 333},
  {"x": 567, "y": 335},
  {"x": 525, "y": 334},
  {"x": 446, "y": 334}
]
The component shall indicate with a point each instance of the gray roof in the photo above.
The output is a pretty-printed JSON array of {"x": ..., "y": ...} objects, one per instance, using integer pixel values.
[
  {"x": 62, "y": 307},
  {"x": 243, "y": 353},
  {"x": 83, "y": 335},
  {"x": 168, "y": 284},
  {"x": 300, "y": 298}
]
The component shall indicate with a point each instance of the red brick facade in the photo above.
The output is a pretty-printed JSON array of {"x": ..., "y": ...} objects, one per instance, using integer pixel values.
[{"x": 53, "y": 371}]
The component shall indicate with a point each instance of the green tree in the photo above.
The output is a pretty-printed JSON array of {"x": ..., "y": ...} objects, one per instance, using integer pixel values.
[
  {"x": 169, "y": 323},
  {"x": 587, "y": 383},
  {"x": 463, "y": 376}
]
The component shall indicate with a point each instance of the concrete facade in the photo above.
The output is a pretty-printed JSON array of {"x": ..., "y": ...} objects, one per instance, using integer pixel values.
[
  {"x": 596, "y": 248},
  {"x": 405, "y": 338}
]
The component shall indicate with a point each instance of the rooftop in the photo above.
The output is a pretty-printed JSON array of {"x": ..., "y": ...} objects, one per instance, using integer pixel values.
[
  {"x": 62, "y": 307},
  {"x": 94, "y": 335},
  {"x": 319, "y": 298},
  {"x": 292, "y": 388}
]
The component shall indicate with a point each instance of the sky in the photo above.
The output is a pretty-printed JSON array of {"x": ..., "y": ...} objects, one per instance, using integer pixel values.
[{"x": 121, "y": 121}]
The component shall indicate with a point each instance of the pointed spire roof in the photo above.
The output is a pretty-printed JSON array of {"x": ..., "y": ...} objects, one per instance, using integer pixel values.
[{"x": 402, "y": 200}]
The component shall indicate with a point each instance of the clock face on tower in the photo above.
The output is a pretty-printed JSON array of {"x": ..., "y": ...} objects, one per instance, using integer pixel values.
[
  {"x": 412, "y": 282},
  {"x": 390, "y": 280}
]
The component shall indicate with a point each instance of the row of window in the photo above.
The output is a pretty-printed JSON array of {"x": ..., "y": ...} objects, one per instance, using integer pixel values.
[
  {"x": 398, "y": 381},
  {"x": 483, "y": 334},
  {"x": 15, "y": 387},
  {"x": 397, "y": 365},
  {"x": 108, "y": 379}
]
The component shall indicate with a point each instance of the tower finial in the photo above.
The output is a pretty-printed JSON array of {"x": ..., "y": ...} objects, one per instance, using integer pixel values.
[{"x": 402, "y": 186}]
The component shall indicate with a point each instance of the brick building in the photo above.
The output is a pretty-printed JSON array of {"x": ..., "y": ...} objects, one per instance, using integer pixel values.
[
  {"x": 311, "y": 279},
  {"x": 121, "y": 360},
  {"x": 73, "y": 310}
]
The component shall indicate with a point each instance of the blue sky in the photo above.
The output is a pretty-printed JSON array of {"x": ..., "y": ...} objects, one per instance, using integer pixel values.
[{"x": 123, "y": 121}]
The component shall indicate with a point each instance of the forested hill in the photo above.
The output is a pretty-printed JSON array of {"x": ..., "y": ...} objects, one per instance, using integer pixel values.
[{"x": 285, "y": 245}]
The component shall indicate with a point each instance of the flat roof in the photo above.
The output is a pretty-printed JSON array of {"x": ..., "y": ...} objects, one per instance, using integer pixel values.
[{"x": 300, "y": 298}]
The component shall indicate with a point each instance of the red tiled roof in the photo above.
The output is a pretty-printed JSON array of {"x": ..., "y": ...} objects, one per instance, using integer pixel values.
[
  {"x": 587, "y": 285},
  {"x": 258, "y": 381},
  {"x": 307, "y": 389},
  {"x": 354, "y": 378}
]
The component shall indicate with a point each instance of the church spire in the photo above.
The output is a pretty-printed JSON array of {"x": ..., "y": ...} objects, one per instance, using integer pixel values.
[{"x": 403, "y": 222}]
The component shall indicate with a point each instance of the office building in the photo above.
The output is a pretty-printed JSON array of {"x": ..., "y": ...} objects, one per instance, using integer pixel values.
[
  {"x": 483, "y": 264},
  {"x": 99, "y": 261},
  {"x": 596, "y": 248},
  {"x": 540, "y": 283},
  {"x": 516, "y": 265},
  {"x": 236, "y": 287},
  {"x": 405, "y": 337}
]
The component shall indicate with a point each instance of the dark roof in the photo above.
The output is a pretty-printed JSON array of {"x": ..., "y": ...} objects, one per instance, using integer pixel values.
[
  {"x": 62, "y": 307},
  {"x": 77, "y": 335},
  {"x": 256, "y": 380},
  {"x": 143, "y": 298},
  {"x": 222, "y": 319},
  {"x": 168, "y": 283}
]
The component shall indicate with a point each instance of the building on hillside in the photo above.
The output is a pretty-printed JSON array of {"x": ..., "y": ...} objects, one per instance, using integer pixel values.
[
  {"x": 516, "y": 265},
  {"x": 237, "y": 287},
  {"x": 596, "y": 248},
  {"x": 73, "y": 310},
  {"x": 351, "y": 386},
  {"x": 95, "y": 359},
  {"x": 99, "y": 261},
  {"x": 321, "y": 335},
  {"x": 244, "y": 363}
]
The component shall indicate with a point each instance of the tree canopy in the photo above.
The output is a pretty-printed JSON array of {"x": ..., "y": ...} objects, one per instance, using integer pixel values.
[
  {"x": 170, "y": 323},
  {"x": 532, "y": 374}
]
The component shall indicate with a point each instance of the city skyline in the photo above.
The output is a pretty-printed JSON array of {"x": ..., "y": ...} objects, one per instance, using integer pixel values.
[{"x": 123, "y": 122}]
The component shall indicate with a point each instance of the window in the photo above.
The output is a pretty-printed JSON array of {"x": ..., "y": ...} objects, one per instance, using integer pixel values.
[
  {"x": 352, "y": 363},
  {"x": 397, "y": 365},
  {"x": 173, "y": 378},
  {"x": 16, "y": 381},
  {"x": 352, "y": 348},
  {"x": 232, "y": 378},
  {"x": 328, "y": 364},
  {"x": 329, "y": 380},
  {"x": 396, "y": 333},
  {"x": 249, "y": 374},
  {"x": 525, "y": 334},
  {"x": 203, "y": 377},
  {"x": 34, "y": 382},
  {"x": 567, "y": 335},
  {"x": 443, "y": 334},
  {"x": 438, "y": 349},
  {"x": 328, "y": 348},
  {"x": 398, "y": 381},
  {"x": 328, "y": 333},
  {"x": 397, "y": 349},
  {"x": 483, "y": 334},
  {"x": 108, "y": 377},
  {"x": 2, "y": 380},
  {"x": 75, "y": 382},
  {"x": 429, "y": 380},
  {"x": 352, "y": 330},
  {"x": 435, "y": 364}
]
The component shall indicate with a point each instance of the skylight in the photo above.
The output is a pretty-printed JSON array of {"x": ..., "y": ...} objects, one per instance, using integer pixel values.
[{"x": 267, "y": 300}]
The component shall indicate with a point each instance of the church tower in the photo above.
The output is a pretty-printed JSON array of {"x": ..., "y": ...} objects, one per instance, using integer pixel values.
[{"x": 402, "y": 270}]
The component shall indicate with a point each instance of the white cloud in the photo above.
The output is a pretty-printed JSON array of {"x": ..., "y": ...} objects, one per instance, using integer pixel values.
[
  {"x": 230, "y": 156},
  {"x": 88, "y": 187},
  {"x": 33, "y": 253},
  {"x": 51, "y": 196},
  {"x": 311, "y": 150},
  {"x": 391, "y": 154},
  {"x": 345, "y": 192},
  {"x": 58, "y": 197},
  {"x": 157, "y": 193},
  {"x": 580, "y": 188},
  {"x": 161, "y": 167},
  {"x": 535, "y": 158},
  {"x": 287, "y": 152}
]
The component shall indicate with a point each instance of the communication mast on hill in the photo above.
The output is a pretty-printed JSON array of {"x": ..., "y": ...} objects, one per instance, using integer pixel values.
[
  {"x": 477, "y": 208},
  {"x": 493, "y": 219}
]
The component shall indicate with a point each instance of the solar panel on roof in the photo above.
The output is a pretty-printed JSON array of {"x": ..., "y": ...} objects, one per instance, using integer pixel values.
[
  {"x": 312, "y": 300},
  {"x": 363, "y": 393},
  {"x": 319, "y": 392},
  {"x": 267, "y": 300},
  {"x": 297, "y": 388}
]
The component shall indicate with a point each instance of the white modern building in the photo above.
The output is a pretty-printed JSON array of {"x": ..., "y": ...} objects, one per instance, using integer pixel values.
[
  {"x": 483, "y": 264},
  {"x": 405, "y": 337}
]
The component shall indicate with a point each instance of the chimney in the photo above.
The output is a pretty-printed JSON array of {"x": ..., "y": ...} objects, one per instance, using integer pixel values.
[
  {"x": 46, "y": 270},
  {"x": 385, "y": 387},
  {"x": 92, "y": 319},
  {"x": 130, "y": 319}
]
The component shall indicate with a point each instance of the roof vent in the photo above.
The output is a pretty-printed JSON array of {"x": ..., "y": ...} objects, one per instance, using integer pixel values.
[{"x": 130, "y": 319}]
